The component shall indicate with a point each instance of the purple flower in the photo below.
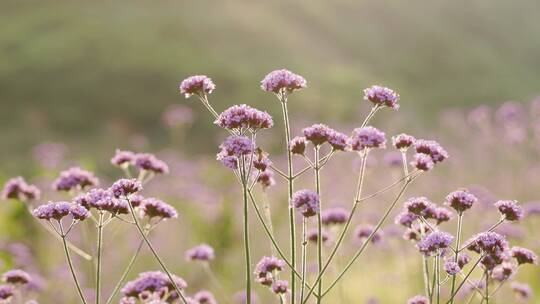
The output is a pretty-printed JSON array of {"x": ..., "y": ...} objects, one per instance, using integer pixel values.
[
  {"x": 521, "y": 290},
  {"x": 265, "y": 269},
  {"x": 153, "y": 207},
  {"x": 124, "y": 187},
  {"x": 406, "y": 218},
  {"x": 307, "y": 201},
  {"x": 280, "y": 287},
  {"x": 452, "y": 268},
  {"x": 334, "y": 216},
  {"x": 510, "y": 210},
  {"x": 243, "y": 116},
  {"x": 313, "y": 236},
  {"x": 262, "y": 162},
  {"x": 237, "y": 146},
  {"x": 266, "y": 179},
  {"x": 338, "y": 140},
  {"x": 524, "y": 255},
  {"x": 422, "y": 162},
  {"x": 403, "y": 141},
  {"x": 6, "y": 292},
  {"x": 297, "y": 145},
  {"x": 382, "y": 96},
  {"x": 434, "y": 242},
  {"x": 205, "y": 297},
  {"x": 461, "y": 200},
  {"x": 463, "y": 259},
  {"x": 230, "y": 162},
  {"x": 17, "y": 188},
  {"x": 418, "y": 205},
  {"x": 282, "y": 81},
  {"x": 16, "y": 276},
  {"x": 318, "y": 134},
  {"x": 123, "y": 158},
  {"x": 418, "y": 300},
  {"x": 442, "y": 215},
  {"x": 488, "y": 242},
  {"x": 103, "y": 200},
  {"x": 201, "y": 252},
  {"x": 79, "y": 213},
  {"x": 196, "y": 85},
  {"x": 153, "y": 281},
  {"x": 363, "y": 233},
  {"x": 149, "y": 162},
  {"x": 431, "y": 148},
  {"x": 367, "y": 137},
  {"x": 75, "y": 178},
  {"x": 52, "y": 210},
  {"x": 503, "y": 272}
]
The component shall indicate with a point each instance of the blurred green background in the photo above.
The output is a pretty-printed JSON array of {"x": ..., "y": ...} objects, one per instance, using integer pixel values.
[{"x": 91, "y": 73}]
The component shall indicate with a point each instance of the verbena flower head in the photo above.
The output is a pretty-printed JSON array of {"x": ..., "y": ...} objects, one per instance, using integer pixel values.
[
  {"x": 431, "y": 148},
  {"x": 418, "y": 300},
  {"x": 123, "y": 158},
  {"x": 367, "y": 137},
  {"x": 280, "y": 287},
  {"x": 442, "y": 215},
  {"x": 403, "y": 141},
  {"x": 313, "y": 235},
  {"x": 338, "y": 140},
  {"x": 434, "y": 242},
  {"x": 266, "y": 179},
  {"x": 6, "y": 292},
  {"x": 524, "y": 255},
  {"x": 153, "y": 207},
  {"x": 488, "y": 242},
  {"x": 461, "y": 200},
  {"x": 244, "y": 116},
  {"x": 203, "y": 253},
  {"x": 149, "y": 162},
  {"x": 205, "y": 297},
  {"x": 282, "y": 81},
  {"x": 124, "y": 187},
  {"x": 261, "y": 162},
  {"x": 451, "y": 267},
  {"x": 318, "y": 134},
  {"x": 264, "y": 271},
  {"x": 364, "y": 231},
  {"x": 103, "y": 200},
  {"x": 16, "y": 277},
  {"x": 297, "y": 145},
  {"x": 422, "y": 162},
  {"x": 382, "y": 96},
  {"x": 52, "y": 210},
  {"x": 406, "y": 218},
  {"x": 79, "y": 212},
  {"x": 307, "y": 201},
  {"x": 463, "y": 259},
  {"x": 75, "y": 178},
  {"x": 237, "y": 146},
  {"x": 230, "y": 162},
  {"x": 503, "y": 272},
  {"x": 510, "y": 210},
  {"x": 334, "y": 216},
  {"x": 418, "y": 205},
  {"x": 153, "y": 281},
  {"x": 521, "y": 290},
  {"x": 18, "y": 188},
  {"x": 196, "y": 85}
]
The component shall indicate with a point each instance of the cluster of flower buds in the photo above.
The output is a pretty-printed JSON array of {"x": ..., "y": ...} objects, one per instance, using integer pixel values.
[
  {"x": 18, "y": 188},
  {"x": 266, "y": 271},
  {"x": 142, "y": 161},
  {"x": 153, "y": 285}
]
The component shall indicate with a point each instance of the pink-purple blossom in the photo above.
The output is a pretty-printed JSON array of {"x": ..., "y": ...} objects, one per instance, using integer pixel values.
[
  {"x": 282, "y": 81},
  {"x": 75, "y": 178},
  {"x": 196, "y": 85},
  {"x": 306, "y": 201},
  {"x": 367, "y": 137},
  {"x": 382, "y": 96},
  {"x": 244, "y": 117}
]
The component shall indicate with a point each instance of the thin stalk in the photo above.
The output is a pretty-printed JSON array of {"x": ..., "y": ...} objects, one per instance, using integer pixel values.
[
  {"x": 347, "y": 224},
  {"x": 487, "y": 285},
  {"x": 456, "y": 256},
  {"x": 319, "y": 223},
  {"x": 70, "y": 263},
  {"x": 99, "y": 253},
  {"x": 154, "y": 252},
  {"x": 304, "y": 259},
  {"x": 244, "y": 178},
  {"x": 268, "y": 216},
  {"x": 290, "y": 182},
  {"x": 425, "y": 268},
  {"x": 367, "y": 241},
  {"x": 126, "y": 272},
  {"x": 438, "y": 276}
]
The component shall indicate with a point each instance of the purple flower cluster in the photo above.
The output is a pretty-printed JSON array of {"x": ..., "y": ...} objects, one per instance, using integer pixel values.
[
  {"x": 266, "y": 179},
  {"x": 492, "y": 244},
  {"x": 244, "y": 116},
  {"x": 262, "y": 162},
  {"x": 280, "y": 287},
  {"x": 153, "y": 282},
  {"x": 463, "y": 259},
  {"x": 264, "y": 271},
  {"x": 237, "y": 146},
  {"x": 123, "y": 158},
  {"x": 364, "y": 231},
  {"x": 434, "y": 242},
  {"x": 367, "y": 137},
  {"x": 405, "y": 218},
  {"x": 297, "y": 145},
  {"x": 103, "y": 200},
  {"x": 196, "y": 85},
  {"x": 524, "y": 255},
  {"x": 124, "y": 187},
  {"x": 16, "y": 277},
  {"x": 153, "y": 207},
  {"x": 203, "y": 252},
  {"x": 418, "y": 205},
  {"x": 461, "y": 200},
  {"x": 418, "y": 300},
  {"x": 204, "y": 297},
  {"x": 317, "y": 134},
  {"x": 503, "y": 272},
  {"x": 313, "y": 235},
  {"x": 403, "y": 141},
  {"x": 307, "y": 201},
  {"x": 75, "y": 178},
  {"x": 452, "y": 268},
  {"x": 282, "y": 81},
  {"x": 334, "y": 216},
  {"x": 6, "y": 292},
  {"x": 521, "y": 290},
  {"x": 382, "y": 96},
  {"x": 18, "y": 188},
  {"x": 422, "y": 162},
  {"x": 149, "y": 162},
  {"x": 431, "y": 148},
  {"x": 59, "y": 210},
  {"x": 510, "y": 210}
]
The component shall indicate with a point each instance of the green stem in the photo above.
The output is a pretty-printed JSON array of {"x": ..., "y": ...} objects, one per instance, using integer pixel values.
[
  {"x": 456, "y": 256},
  {"x": 99, "y": 254},
  {"x": 438, "y": 276},
  {"x": 487, "y": 285},
  {"x": 70, "y": 263},
  {"x": 126, "y": 272},
  {"x": 154, "y": 252},
  {"x": 304, "y": 259},
  {"x": 319, "y": 223},
  {"x": 244, "y": 178}
]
